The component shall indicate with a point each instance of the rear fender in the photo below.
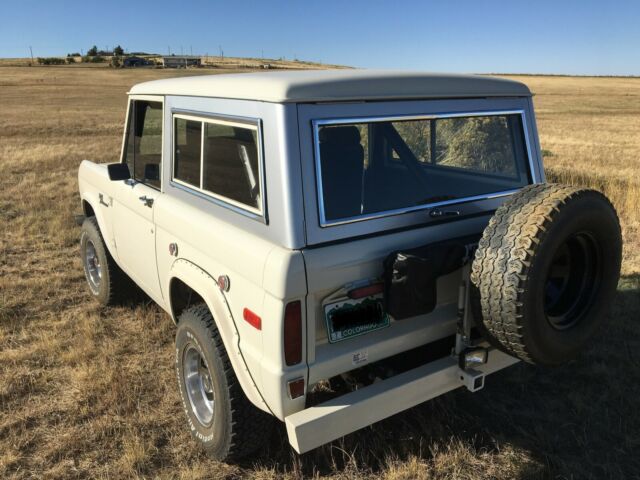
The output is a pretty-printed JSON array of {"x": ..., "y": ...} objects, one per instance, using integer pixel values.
[{"x": 206, "y": 286}]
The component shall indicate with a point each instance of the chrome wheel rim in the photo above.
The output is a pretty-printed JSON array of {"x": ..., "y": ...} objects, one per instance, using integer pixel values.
[
  {"x": 197, "y": 382},
  {"x": 92, "y": 265}
]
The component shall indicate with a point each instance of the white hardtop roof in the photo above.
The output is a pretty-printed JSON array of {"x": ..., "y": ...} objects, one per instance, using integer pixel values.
[{"x": 334, "y": 86}]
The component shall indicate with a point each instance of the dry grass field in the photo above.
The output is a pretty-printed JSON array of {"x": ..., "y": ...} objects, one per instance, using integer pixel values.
[{"x": 87, "y": 391}]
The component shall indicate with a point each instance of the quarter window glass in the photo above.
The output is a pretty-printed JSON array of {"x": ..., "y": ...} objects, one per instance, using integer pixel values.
[
  {"x": 381, "y": 166},
  {"x": 230, "y": 163},
  {"x": 143, "y": 153},
  {"x": 188, "y": 141}
]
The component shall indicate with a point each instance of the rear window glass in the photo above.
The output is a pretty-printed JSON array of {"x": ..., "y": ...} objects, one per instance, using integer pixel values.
[{"x": 387, "y": 166}]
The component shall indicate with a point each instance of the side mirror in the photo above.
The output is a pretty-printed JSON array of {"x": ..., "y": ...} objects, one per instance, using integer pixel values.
[
  {"x": 152, "y": 171},
  {"x": 118, "y": 171}
]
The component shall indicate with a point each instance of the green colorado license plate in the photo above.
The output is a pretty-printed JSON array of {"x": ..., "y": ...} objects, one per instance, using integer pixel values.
[{"x": 349, "y": 318}]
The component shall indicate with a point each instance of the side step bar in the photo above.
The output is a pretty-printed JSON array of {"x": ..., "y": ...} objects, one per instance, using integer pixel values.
[{"x": 340, "y": 416}]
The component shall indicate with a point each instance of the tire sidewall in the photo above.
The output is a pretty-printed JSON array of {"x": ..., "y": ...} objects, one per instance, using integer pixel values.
[
  {"x": 216, "y": 437},
  {"x": 91, "y": 233},
  {"x": 595, "y": 218}
]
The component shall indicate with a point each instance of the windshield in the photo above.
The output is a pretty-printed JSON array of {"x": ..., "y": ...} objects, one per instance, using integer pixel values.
[{"x": 388, "y": 166}]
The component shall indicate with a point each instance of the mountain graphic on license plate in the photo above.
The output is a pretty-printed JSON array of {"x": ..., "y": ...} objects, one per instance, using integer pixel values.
[{"x": 349, "y": 318}]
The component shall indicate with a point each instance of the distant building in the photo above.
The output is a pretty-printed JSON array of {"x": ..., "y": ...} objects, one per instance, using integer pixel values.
[
  {"x": 135, "y": 62},
  {"x": 175, "y": 61}
]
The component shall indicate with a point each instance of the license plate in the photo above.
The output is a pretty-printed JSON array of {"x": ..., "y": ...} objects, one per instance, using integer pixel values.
[{"x": 349, "y": 318}]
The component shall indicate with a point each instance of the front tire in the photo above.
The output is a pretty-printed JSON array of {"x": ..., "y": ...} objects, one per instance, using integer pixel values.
[
  {"x": 221, "y": 418},
  {"x": 107, "y": 283}
]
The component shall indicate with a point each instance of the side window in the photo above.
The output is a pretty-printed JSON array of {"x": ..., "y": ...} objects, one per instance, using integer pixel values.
[
  {"x": 143, "y": 153},
  {"x": 220, "y": 158},
  {"x": 230, "y": 163},
  {"x": 188, "y": 147}
]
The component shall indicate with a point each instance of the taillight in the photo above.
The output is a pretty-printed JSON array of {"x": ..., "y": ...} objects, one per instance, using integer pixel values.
[{"x": 293, "y": 333}]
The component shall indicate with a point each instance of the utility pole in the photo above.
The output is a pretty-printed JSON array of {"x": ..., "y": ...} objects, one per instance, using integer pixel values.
[
  {"x": 221, "y": 52},
  {"x": 31, "y": 52},
  {"x": 169, "y": 48}
]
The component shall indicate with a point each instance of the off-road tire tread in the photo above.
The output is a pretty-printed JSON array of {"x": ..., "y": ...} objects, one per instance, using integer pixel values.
[
  {"x": 119, "y": 284},
  {"x": 505, "y": 252},
  {"x": 249, "y": 425}
]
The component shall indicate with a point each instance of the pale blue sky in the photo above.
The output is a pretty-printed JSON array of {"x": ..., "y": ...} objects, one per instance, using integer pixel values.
[{"x": 563, "y": 37}]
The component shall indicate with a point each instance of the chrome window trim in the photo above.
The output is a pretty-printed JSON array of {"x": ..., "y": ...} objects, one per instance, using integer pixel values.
[
  {"x": 259, "y": 214},
  {"x": 316, "y": 124}
]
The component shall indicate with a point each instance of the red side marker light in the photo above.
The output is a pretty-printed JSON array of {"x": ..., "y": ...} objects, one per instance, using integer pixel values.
[{"x": 252, "y": 319}]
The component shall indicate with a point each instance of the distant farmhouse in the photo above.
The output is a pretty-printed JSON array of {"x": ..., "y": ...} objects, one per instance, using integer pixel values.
[{"x": 175, "y": 61}]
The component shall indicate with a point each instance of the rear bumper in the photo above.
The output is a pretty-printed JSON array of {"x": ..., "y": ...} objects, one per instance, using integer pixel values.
[{"x": 340, "y": 416}]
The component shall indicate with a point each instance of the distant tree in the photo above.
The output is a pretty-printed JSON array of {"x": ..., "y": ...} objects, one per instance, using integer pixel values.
[
  {"x": 115, "y": 62},
  {"x": 71, "y": 59},
  {"x": 93, "y": 51},
  {"x": 118, "y": 50},
  {"x": 51, "y": 61}
]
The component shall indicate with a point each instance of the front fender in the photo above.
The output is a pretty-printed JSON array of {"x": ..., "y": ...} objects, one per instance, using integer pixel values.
[
  {"x": 206, "y": 286},
  {"x": 103, "y": 222}
]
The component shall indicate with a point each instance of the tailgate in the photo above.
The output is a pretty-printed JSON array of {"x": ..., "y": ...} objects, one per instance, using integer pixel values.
[{"x": 359, "y": 262}]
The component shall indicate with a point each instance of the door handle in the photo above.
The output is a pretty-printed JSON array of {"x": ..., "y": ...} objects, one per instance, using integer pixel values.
[
  {"x": 102, "y": 202},
  {"x": 148, "y": 202}
]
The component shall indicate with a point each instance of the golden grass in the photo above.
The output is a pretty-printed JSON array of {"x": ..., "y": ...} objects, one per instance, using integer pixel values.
[{"x": 90, "y": 392}]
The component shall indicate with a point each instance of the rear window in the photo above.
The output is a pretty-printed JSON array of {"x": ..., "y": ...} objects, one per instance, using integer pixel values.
[{"x": 375, "y": 167}]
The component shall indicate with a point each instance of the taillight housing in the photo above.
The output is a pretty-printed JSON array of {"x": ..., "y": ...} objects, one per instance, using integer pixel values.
[{"x": 293, "y": 333}]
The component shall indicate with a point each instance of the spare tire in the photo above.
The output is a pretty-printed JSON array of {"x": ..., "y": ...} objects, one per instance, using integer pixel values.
[{"x": 546, "y": 270}]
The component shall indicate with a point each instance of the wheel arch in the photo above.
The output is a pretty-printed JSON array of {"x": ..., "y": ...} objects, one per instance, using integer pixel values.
[
  {"x": 90, "y": 208},
  {"x": 187, "y": 279}
]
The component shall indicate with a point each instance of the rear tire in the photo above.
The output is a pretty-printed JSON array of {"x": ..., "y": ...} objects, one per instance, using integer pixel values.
[
  {"x": 221, "y": 418},
  {"x": 546, "y": 271},
  {"x": 107, "y": 283}
]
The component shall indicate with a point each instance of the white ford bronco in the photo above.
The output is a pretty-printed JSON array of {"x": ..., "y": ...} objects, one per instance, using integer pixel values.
[{"x": 338, "y": 246}]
